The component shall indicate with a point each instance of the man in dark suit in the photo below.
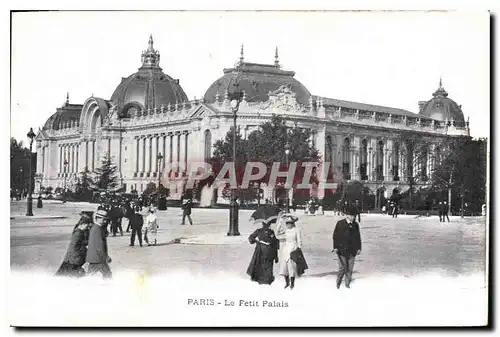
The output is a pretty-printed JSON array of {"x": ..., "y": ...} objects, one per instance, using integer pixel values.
[
  {"x": 187, "y": 204},
  {"x": 445, "y": 211},
  {"x": 136, "y": 223},
  {"x": 97, "y": 250},
  {"x": 347, "y": 245}
]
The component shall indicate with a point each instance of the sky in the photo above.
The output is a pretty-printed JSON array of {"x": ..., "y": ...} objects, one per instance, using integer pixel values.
[{"x": 384, "y": 58}]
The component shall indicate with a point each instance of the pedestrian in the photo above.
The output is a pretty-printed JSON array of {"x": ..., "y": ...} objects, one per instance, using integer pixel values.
[
  {"x": 115, "y": 215},
  {"x": 265, "y": 254},
  {"x": 97, "y": 251},
  {"x": 395, "y": 210},
  {"x": 136, "y": 223},
  {"x": 357, "y": 205},
  {"x": 445, "y": 211},
  {"x": 347, "y": 245},
  {"x": 187, "y": 204},
  {"x": 74, "y": 259},
  {"x": 39, "y": 203},
  {"x": 151, "y": 226},
  {"x": 440, "y": 210},
  {"x": 292, "y": 261}
]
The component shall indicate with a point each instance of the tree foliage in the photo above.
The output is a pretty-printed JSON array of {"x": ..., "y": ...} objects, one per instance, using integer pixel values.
[
  {"x": 106, "y": 178},
  {"x": 461, "y": 167},
  {"x": 265, "y": 145},
  {"x": 19, "y": 165}
]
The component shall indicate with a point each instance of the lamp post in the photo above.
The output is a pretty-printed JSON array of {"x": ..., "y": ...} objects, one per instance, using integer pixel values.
[
  {"x": 287, "y": 152},
  {"x": 65, "y": 174},
  {"x": 21, "y": 182},
  {"x": 31, "y": 135},
  {"x": 233, "y": 206},
  {"x": 160, "y": 158}
]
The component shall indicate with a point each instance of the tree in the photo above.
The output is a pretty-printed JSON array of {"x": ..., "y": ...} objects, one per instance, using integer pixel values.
[
  {"x": 19, "y": 165},
  {"x": 106, "y": 179},
  {"x": 263, "y": 146},
  {"x": 150, "y": 189},
  {"x": 83, "y": 188},
  {"x": 461, "y": 171},
  {"x": 414, "y": 149}
]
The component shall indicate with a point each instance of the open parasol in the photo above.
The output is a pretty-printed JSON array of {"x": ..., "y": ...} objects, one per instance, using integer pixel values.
[{"x": 266, "y": 213}]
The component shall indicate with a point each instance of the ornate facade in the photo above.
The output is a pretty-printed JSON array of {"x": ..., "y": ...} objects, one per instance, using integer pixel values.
[{"x": 149, "y": 113}]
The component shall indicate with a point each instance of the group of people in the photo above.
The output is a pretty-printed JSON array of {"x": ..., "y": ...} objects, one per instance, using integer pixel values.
[
  {"x": 285, "y": 247},
  {"x": 443, "y": 211},
  {"x": 392, "y": 208},
  {"x": 88, "y": 244}
]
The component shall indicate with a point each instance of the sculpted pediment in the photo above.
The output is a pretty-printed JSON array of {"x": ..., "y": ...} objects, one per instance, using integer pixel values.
[{"x": 283, "y": 99}]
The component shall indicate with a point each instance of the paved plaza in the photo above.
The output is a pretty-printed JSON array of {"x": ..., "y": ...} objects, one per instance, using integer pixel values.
[
  {"x": 433, "y": 268},
  {"x": 404, "y": 246}
]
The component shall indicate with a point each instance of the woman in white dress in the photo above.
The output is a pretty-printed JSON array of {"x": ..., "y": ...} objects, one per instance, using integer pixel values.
[
  {"x": 290, "y": 241},
  {"x": 151, "y": 226}
]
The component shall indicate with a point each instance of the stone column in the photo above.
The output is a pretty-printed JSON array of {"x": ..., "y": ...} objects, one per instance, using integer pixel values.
[
  {"x": 136, "y": 153},
  {"x": 372, "y": 158},
  {"x": 93, "y": 155},
  {"x": 355, "y": 159},
  {"x": 154, "y": 150},
  {"x": 168, "y": 150},
  {"x": 60, "y": 158},
  {"x": 77, "y": 149},
  {"x": 164, "y": 150},
  {"x": 143, "y": 154},
  {"x": 175, "y": 153},
  {"x": 388, "y": 176},
  {"x": 149, "y": 156},
  {"x": 430, "y": 159}
]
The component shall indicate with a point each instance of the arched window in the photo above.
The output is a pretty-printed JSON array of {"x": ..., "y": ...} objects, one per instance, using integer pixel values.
[
  {"x": 364, "y": 160},
  {"x": 346, "y": 159},
  {"x": 423, "y": 163},
  {"x": 208, "y": 144}
]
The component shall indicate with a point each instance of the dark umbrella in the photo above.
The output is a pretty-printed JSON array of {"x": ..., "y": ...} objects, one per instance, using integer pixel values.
[{"x": 266, "y": 213}]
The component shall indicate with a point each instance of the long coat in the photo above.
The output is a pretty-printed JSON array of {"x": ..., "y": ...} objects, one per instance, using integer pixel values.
[
  {"x": 136, "y": 221},
  {"x": 260, "y": 268},
  {"x": 347, "y": 238},
  {"x": 75, "y": 255},
  {"x": 97, "y": 251}
]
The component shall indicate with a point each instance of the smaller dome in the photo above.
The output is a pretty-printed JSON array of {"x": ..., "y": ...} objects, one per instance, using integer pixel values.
[
  {"x": 148, "y": 88},
  {"x": 442, "y": 108}
]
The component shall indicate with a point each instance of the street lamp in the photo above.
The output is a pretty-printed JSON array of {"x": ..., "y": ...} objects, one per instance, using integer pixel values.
[
  {"x": 287, "y": 152},
  {"x": 65, "y": 174},
  {"x": 31, "y": 135},
  {"x": 160, "y": 158},
  {"x": 21, "y": 181},
  {"x": 233, "y": 206}
]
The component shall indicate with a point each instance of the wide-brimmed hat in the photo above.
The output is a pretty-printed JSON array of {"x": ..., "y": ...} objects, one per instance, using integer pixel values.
[
  {"x": 101, "y": 214},
  {"x": 289, "y": 218}
]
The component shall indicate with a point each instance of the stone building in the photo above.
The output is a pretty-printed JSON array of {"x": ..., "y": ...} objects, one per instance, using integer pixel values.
[{"x": 149, "y": 113}]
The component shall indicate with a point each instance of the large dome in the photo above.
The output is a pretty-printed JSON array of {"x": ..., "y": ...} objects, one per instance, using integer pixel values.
[
  {"x": 148, "y": 88},
  {"x": 257, "y": 80},
  {"x": 442, "y": 108}
]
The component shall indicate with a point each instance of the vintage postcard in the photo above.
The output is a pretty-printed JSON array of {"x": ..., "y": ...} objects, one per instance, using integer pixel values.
[{"x": 249, "y": 168}]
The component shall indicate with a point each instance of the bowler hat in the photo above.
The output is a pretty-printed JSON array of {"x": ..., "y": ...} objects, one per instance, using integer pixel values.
[
  {"x": 351, "y": 210},
  {"x": 87, "y": 214}
]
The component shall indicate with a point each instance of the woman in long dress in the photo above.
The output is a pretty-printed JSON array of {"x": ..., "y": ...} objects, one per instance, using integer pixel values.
[
  {"x": 74, "y": 259},
  {"x": 151, "y": 226},
  {"x": 265, "y": 254},
  {"x": 292, "y": 261}
]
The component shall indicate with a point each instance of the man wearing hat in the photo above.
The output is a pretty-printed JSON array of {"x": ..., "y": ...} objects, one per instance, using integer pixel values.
[
  {"x": 97, "y": 250},
  {"x": 347, "y": 244}
]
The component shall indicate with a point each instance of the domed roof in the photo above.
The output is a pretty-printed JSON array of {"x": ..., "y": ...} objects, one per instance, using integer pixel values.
[
  {"x": 148, "y": 88},
  {"x": 67, "y": 114},
  {"x": 257, "y": 80},
  {"x": 442, "y": 108}
]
